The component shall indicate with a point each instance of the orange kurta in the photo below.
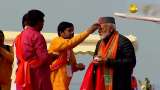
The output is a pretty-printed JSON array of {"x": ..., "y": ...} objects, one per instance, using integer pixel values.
[
  {"x": 59, "y": 78},
  {"x": 6, "y": 60}
]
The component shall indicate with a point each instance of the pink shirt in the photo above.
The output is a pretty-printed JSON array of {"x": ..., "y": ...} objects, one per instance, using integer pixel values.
[{"x": 34, "y": 45}]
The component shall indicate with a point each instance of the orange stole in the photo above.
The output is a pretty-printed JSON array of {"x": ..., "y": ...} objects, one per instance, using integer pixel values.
[
  {"x": 60, "y": 61},
  {"x": 108, "y": 51}
]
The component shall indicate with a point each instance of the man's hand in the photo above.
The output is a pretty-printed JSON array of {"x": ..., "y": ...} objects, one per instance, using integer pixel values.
[
  {"x": 80, "y": 66},
  {"x": 97, "y": 60}
]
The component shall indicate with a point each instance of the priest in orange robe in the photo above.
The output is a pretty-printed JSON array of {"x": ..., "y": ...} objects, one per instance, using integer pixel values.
[{"x": 62, "y": 68}]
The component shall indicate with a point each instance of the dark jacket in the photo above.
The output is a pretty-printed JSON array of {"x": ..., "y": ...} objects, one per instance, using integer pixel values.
[{"x": 123, "y": 65}]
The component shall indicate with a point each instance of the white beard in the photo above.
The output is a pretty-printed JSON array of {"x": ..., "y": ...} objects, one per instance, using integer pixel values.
[{"x": 103, "y": 36}]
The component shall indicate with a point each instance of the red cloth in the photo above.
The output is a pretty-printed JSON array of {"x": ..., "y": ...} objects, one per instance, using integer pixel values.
[
  {"x": 23, "y": 73},
  {"x": 134, "y": 82},
  {"x": 89, "y": 83},
  {"x": 100, "y": 85}
]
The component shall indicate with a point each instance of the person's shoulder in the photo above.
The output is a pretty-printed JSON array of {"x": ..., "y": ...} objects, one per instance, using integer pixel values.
[
  {"x": 99, "y": 41},
  {"x": 7, "y": 47},
  {"x": 57, "y": 38},
  {"x": 36, "y": 36},
  {"x": 31, "y": 33},
  {"x": 124, "y": 41},
  {"x": 123, "y": 38}
]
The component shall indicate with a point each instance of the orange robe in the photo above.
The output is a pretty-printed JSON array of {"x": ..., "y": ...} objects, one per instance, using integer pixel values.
[
  {"x": 59, "y": 78},
  {"x": 6, "y": 60}
]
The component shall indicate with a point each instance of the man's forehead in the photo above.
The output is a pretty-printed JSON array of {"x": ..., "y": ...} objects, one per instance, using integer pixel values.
[
  {"x": 106, "y": 24},
  {"x": 69, "y": 29}
]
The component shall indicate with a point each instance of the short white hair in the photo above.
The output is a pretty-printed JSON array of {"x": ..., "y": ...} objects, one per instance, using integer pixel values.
[{"x": 112, "y": 24}]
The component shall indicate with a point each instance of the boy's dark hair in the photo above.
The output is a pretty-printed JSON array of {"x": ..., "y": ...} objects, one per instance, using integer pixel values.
[
  {"x": 1, "y": 34},
  {"x": 24, "y": 20},
  {"x": 34, "y": 16},
  {"x": 62, "y": 26}
]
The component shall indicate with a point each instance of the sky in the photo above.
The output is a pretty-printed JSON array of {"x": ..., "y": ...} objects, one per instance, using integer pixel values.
[{"x": 82, "y": 13}]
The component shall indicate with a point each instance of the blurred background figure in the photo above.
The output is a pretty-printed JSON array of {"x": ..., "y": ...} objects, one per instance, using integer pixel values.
[
  {"x": 146, "y": 84},
  {"x": 6, "y": 60}
]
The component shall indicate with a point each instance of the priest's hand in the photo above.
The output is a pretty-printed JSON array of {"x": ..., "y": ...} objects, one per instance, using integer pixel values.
[
  {"x": 93, "y": 27},
  {"x": 54, "y": 55}
]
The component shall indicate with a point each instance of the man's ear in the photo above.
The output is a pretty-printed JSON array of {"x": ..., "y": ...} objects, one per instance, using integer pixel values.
[{"x": 61, "y": 33}]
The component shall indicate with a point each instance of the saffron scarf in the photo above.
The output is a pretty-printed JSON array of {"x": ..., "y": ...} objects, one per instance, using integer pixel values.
[{"x": 60, "y": 61}]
